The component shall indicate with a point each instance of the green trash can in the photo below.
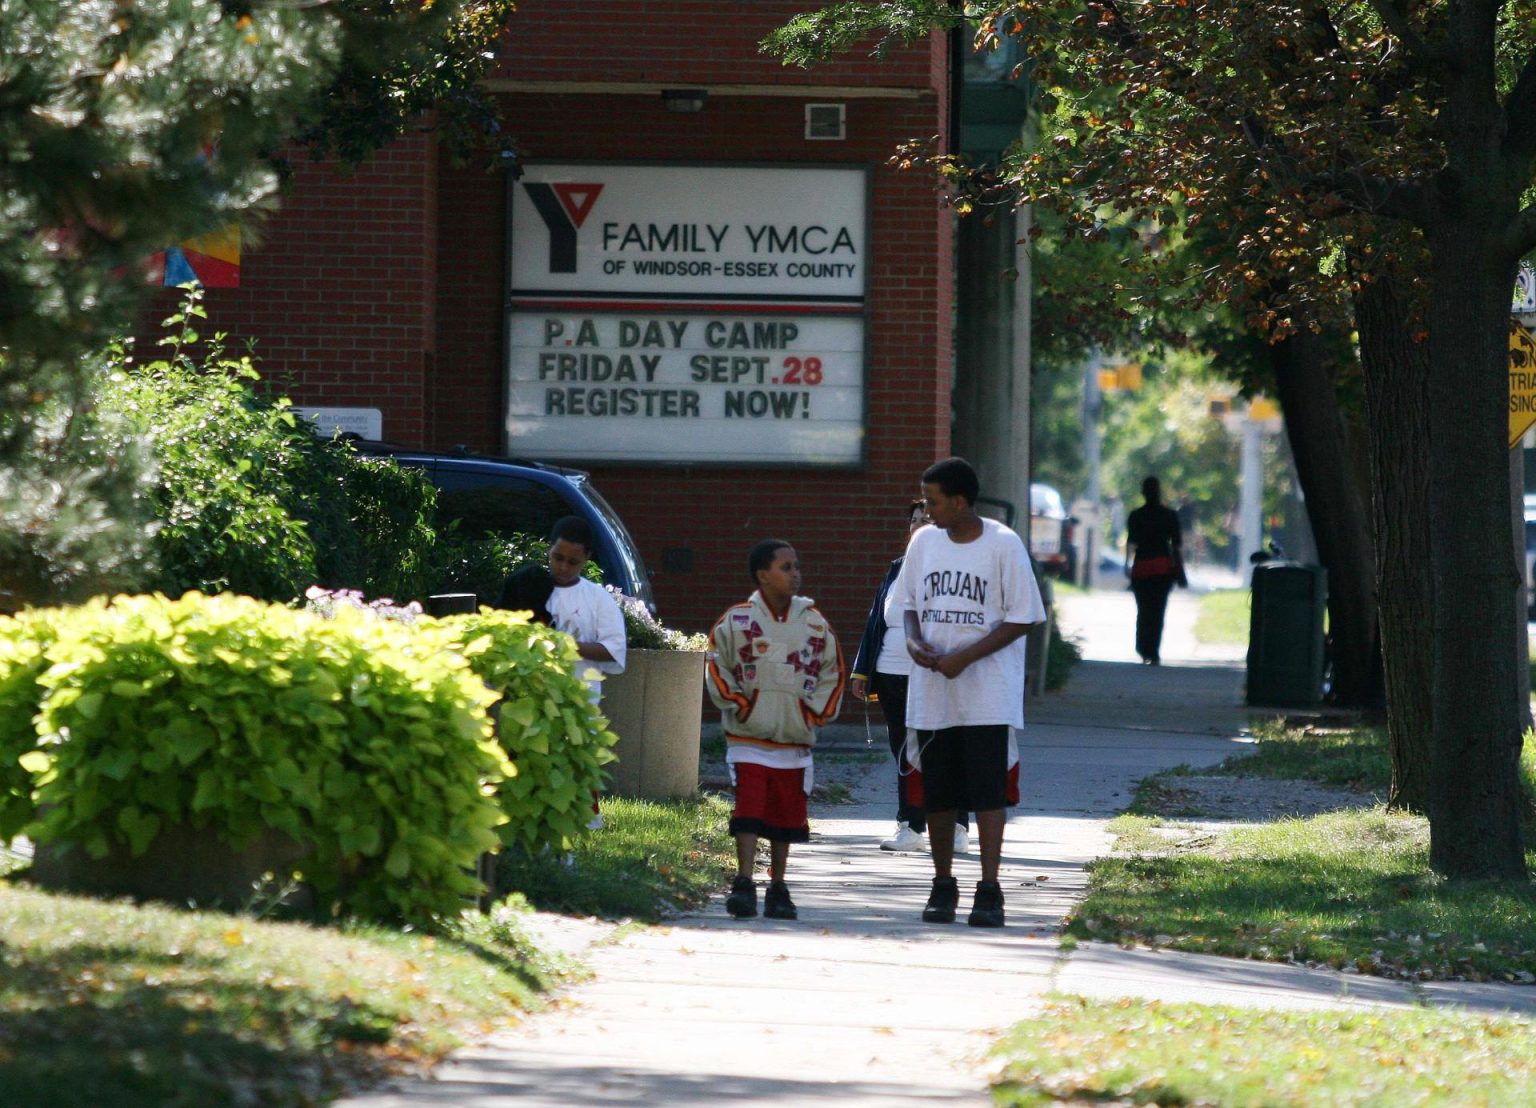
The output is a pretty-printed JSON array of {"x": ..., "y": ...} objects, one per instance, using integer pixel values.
[{"x": 1285, "y": 635}]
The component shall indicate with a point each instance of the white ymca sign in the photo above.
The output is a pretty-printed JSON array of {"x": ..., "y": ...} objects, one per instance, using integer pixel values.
[{"x": 687, "y": 314}]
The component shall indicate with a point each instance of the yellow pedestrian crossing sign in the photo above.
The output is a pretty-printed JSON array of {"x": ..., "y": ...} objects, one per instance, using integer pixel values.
[{"x": 1522, "y": 382}]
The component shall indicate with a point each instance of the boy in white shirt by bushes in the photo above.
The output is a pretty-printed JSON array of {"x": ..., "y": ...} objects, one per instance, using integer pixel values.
[
  {"x": 776, "y": 673},
  {"x": 581, "y": 608}
]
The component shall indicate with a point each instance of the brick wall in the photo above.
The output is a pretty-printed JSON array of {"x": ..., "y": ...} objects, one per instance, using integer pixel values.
[
  {"x": 339, "y": 288},
  {"x": 846, "y": 524},
  {"x": 650, "y": 41}
]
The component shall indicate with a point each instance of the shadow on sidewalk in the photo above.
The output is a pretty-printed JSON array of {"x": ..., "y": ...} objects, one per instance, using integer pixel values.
[{"x": 1202, "y": 699}]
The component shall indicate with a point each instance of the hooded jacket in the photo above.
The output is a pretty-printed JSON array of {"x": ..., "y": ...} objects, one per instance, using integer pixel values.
[{"x": 774, "y": 680}]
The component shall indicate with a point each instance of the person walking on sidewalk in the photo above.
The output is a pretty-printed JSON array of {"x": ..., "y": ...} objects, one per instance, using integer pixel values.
[
  {"x": 776, "y": 673},
  {"x": 967, "y": 596},
  {"x": 880, "y": 670},
  {"x": 1154, "y": 561}
]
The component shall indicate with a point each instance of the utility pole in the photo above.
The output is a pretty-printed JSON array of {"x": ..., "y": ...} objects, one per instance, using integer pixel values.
[
  {"x": 1250, "y": 424},
  {"x": 1250, "y": 503},
  {"x": 1093, "y": 496}
]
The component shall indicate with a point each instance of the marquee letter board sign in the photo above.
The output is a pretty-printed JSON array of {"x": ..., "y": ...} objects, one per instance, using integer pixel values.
[{"x": 687, "y": 314}]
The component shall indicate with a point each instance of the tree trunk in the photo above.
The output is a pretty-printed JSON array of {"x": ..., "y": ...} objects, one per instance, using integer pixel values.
[
  {"x": 1319, "y": 445},
  {"x": 1474, "y": 795},
  {"x": 1396, "y": 371}
]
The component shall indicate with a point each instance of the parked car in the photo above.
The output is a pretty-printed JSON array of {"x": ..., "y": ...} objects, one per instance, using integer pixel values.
[
  {"x": 1051, "y": 538},
  {"x": 504, "y": 496}
]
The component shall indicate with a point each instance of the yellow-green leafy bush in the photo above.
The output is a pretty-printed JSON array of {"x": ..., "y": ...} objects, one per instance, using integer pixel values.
[
  {"x": 359, "y": 738},
  {"x": 548, "y": 726},
  {"x": 24, "y": 642}
]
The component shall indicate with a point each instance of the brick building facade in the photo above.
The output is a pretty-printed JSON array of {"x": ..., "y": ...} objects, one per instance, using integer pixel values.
[{"x": 387, "y": 287}]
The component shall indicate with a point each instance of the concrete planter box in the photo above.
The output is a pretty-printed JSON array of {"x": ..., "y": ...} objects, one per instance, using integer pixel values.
[
  {"x": 655, "y": 707},
  {"x": 183, "y": 864}
]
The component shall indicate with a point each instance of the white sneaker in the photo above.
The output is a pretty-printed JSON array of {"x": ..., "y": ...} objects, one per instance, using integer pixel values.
[
  {"x": 962, "y": 840},
  {"x": 905, "y": 841}
]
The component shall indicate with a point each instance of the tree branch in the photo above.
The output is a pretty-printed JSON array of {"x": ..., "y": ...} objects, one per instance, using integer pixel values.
[
  {"x": 1520, "y": 114},
  {"x": 1522, "y": 232},
  {"x": 1394, "y": 16}
]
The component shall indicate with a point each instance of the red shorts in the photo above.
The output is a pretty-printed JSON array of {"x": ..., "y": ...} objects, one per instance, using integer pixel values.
[{"x": 770, "y": 803}]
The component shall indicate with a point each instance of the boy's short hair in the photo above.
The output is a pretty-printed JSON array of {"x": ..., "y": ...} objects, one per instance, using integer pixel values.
[
  {"x": 761, "y": 555},
  {"x": 955, "y": 477},
  {"x": 573, "y": 529}
]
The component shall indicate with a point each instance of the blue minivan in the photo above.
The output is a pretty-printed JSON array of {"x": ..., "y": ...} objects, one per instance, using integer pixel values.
[{"x": 502, "y": 496}]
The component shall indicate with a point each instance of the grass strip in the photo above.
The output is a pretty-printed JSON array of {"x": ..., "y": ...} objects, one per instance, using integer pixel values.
[
  {"x": 1223, "y": 616},
  {"x": 1355, "y": 759},
  {"x": 650, "y": 860},
  {"x": 113, "y": 1003},
  {"x": 1147, "y": 1052},
  {"x": 1348, "y": 890}
]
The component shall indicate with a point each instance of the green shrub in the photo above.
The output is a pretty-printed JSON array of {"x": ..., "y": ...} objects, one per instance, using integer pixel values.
[
  {"x": 224, "y": 497},
  {"x": 1061, "y": 654},
  {"x": 249, "y": 498},
  {"x": 24, "y": 643},
  {"x": 548, "y": 726},
  {"x": 391, "y": 508},
  {"x": 360, "y": 738}
]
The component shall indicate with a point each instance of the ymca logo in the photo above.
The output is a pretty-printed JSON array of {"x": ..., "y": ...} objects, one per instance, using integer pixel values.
[{"x": 563, "y": 208}]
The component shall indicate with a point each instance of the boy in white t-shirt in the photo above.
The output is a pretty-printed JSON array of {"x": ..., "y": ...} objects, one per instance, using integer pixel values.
[
  {"x": 967, "y": 596},
  {"x": 581, "y": 608}
]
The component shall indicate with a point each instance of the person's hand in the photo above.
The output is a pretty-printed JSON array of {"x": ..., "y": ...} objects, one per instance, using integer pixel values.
[
  {"x": 858, "y": 687},
  {"x": 923, "y": 654},
  {"x": 951, "y": 665}
]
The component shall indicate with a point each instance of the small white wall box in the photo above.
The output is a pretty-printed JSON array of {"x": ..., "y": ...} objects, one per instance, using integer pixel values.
[
  {"x": 826, "y": 122},
  {"x": 366, "y": 423}
]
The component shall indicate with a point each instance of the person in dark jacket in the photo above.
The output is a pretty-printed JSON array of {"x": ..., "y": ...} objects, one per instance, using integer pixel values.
[
  {"x": 1154, "y": 561},
  {"x": 880, "y": 672}
]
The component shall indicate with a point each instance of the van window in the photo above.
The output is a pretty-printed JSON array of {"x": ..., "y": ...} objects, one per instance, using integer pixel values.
[
  {"x": 628, "y": 552},
  {"x": 498, "y": 504}
]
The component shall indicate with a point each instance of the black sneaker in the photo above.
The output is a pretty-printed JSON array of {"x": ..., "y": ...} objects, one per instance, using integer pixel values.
[
  {"x": 987, "y": 908},
  {"x": 742, "y": 903},
  {"x": 942, "y": 901},
  {"x": 776, "y": 903}
]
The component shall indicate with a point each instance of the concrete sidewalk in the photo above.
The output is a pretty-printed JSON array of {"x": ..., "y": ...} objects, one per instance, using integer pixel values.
[{"x": 859, "y": 1002}]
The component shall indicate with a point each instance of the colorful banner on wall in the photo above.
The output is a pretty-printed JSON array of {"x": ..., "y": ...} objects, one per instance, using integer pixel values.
[{"x": 212, "y": 261}]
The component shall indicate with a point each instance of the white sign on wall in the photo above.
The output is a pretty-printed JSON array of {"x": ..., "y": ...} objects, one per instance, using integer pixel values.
[
  {"x": 366, "y": 423},
  {"x": 687, "y": 314}
]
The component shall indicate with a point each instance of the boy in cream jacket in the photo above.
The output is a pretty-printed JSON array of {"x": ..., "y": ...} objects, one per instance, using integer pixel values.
[{"x": 776, "y": 673}]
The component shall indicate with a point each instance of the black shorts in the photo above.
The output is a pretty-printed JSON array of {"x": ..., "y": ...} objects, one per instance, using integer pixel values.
[{"x": 965, "y": 769}]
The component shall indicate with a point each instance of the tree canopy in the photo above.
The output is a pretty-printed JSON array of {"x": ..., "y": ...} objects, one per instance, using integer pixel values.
[{"x": 126, "y": 128}]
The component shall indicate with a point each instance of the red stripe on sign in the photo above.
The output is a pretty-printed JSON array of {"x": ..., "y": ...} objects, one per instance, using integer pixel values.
[{"x": 690, "y": 307}]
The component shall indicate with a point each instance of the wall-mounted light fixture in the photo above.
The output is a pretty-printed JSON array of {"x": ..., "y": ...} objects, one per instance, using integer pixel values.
[{"x": 683, "y": 99}]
